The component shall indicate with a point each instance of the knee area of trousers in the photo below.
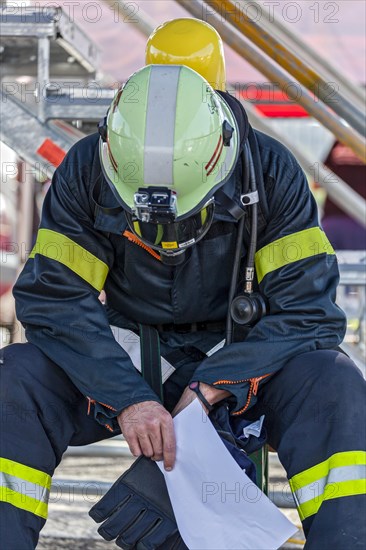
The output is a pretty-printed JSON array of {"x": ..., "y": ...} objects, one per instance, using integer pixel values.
[
  {"x": 19, "y": 363},
  {"x": 325, "y": 370},
  {"x": 338, "y": 374},
  {"x": 17, "y": 357}
]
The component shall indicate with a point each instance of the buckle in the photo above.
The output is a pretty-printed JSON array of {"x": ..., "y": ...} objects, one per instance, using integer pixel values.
[{"x": 186, "y": 328}]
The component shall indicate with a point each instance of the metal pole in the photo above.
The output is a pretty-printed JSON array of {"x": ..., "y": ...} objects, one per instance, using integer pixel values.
[
  {"x": 355, "y": 93},
  {"x": 340, "y": 192},
  {"x": 235, "y": 40},
  {"x": 24, "y": 230},
  {"x": 100, "y": 450},
  {"x": 278, "y": 52},
  {"x": 43, "y": 76},
  {"x": 144, "y": 23}
]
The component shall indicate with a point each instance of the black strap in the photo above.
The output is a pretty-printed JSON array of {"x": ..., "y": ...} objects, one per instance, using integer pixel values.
[
  {"x": 239, "y": 113},
  {"x": 230, "y": 205},
  {"x": 195, "y": 386},
  {"x": 150, "y": 358},
  {"x": 247, "y": 132}
]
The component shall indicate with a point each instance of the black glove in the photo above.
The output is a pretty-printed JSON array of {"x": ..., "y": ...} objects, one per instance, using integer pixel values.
[{"x": 137, "y": 511}]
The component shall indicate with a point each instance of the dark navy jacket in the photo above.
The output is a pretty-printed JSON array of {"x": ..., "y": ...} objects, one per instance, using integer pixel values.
[{"x": 80, "y": 249}]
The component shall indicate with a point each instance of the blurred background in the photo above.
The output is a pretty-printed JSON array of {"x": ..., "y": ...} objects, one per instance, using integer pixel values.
[{"x": 299, "y": 70}]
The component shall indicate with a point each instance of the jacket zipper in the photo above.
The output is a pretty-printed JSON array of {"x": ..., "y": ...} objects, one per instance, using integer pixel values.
[
  {"x": 132, "y": 238},
  {"x": 93, "y": 401},
  {"x": 253, "y": 389}
]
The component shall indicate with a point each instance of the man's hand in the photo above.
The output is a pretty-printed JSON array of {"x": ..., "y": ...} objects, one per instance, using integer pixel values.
[
  {"x": 212, "y": 394},
  {"x": 149, "y": 431}
]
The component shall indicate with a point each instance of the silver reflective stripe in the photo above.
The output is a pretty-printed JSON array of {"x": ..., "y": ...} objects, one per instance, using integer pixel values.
[
  {"x": 130, "y": 342},
  {"x": 160, "y": 126},
  {"x": 23, "y": 487},
  {"x": 317, "y": 488}
]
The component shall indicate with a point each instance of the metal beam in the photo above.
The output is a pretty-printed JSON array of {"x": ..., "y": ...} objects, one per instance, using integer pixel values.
[
  {"x": 144, "y": 23},
  {"x": 340, "y": 192},
  {"x": 23, "y": 132},
  {"x": 353, "y": 92},
  {"x": 53, "y": 23},
  {"x": 233, "y": 38},
  {"x": 277, "y": 51}
]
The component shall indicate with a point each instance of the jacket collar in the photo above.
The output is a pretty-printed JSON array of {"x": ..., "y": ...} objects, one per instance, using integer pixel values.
[{"x": 109, "y": 215}]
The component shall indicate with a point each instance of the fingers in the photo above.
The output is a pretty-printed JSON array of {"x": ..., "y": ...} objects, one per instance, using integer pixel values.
[
  {"x": 149, "y": 431},
  {"x": 134, "y": 445},
  {"x": 169, "y": 444},
  {"x": 146, "y": 445}
]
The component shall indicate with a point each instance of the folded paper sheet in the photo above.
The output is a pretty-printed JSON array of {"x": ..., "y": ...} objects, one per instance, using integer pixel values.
[{"x": 216, "y": 505}]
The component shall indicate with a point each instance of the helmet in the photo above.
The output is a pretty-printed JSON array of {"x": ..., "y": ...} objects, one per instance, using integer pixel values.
[
  {"x": 189, "y": 42},
  {"x": 170, "y": 142}
]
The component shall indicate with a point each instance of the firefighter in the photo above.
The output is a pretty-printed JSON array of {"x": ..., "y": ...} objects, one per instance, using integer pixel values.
[{"x": 173, "y": 195}]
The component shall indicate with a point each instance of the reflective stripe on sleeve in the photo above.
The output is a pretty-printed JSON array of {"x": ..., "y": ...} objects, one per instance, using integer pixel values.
[
  {"x": 341, "y": 475},
  {"x": 60, "y": 248},
  {"x": 24, "y": 487},
  {"x": 290, "y": 249}
]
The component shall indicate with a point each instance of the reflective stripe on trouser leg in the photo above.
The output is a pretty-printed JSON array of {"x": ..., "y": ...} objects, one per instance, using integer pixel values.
[
  {"x": 41, "y": 413},
  {"x": 315, "y": 418},
  {"x": 24, "y": 487},
  {"x": 342, "y": 475}
]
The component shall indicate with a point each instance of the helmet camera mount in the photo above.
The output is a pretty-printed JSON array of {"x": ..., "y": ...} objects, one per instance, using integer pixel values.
[
  {"x": 159, "y": 205},
  {"x": 155, "y": 205}
]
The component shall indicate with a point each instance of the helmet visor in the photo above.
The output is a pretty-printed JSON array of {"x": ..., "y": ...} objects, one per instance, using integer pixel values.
[{"x": 173, "y": 236}]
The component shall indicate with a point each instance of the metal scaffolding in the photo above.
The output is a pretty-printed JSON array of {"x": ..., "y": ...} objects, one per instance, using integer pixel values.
[
  {"x": 233, "y": 13},
  {"x": 47, "y": 47}
]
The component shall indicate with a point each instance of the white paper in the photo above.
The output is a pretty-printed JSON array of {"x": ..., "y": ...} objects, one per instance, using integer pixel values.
[
  {"x": 254, "y": 428},
  {"x": 216, "y": 505}
]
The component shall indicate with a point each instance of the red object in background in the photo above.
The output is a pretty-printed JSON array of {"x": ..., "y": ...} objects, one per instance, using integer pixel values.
[
  {"x": 282, "y": 111},
  {"x": 274, "y": 103},
  {"x": 51, "y": 152}
]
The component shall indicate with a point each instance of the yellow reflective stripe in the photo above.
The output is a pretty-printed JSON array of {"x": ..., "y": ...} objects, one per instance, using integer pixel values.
[
  {"x": 333, "y": 490},
  {"x": 323, "y": 479},
  {"x": 136, "y": 227},
  {"x": 159, "y": 234},
  {"x": 27, "y": 478},
  {"x": 347, "y": 458},
  {"x": 292, "y": 248},
  {"x": 60, "y": 248},
  {"x": 26, "y": 473},
  {"x": 24, "y": 502}
]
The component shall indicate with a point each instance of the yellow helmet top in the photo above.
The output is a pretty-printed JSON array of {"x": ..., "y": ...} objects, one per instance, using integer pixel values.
[{"x": 189, "y": 42}]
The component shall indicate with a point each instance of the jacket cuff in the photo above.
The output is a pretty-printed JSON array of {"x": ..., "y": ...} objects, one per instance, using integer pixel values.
[
  {"x": 240, "y": 399},
  {"x": 107, "y": 416}
]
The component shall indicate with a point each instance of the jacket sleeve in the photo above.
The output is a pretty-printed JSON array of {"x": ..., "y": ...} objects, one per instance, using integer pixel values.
[
  {"x": 57, "y": 296},
  {"x": 297, "y": 273}
]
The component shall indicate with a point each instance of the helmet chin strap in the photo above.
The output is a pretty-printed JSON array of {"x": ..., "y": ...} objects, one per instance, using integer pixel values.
[{"x": 174, "y": 259}]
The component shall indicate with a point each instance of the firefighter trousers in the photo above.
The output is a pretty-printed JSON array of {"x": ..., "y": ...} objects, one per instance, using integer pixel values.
[{"x": 314, "y": 415}]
